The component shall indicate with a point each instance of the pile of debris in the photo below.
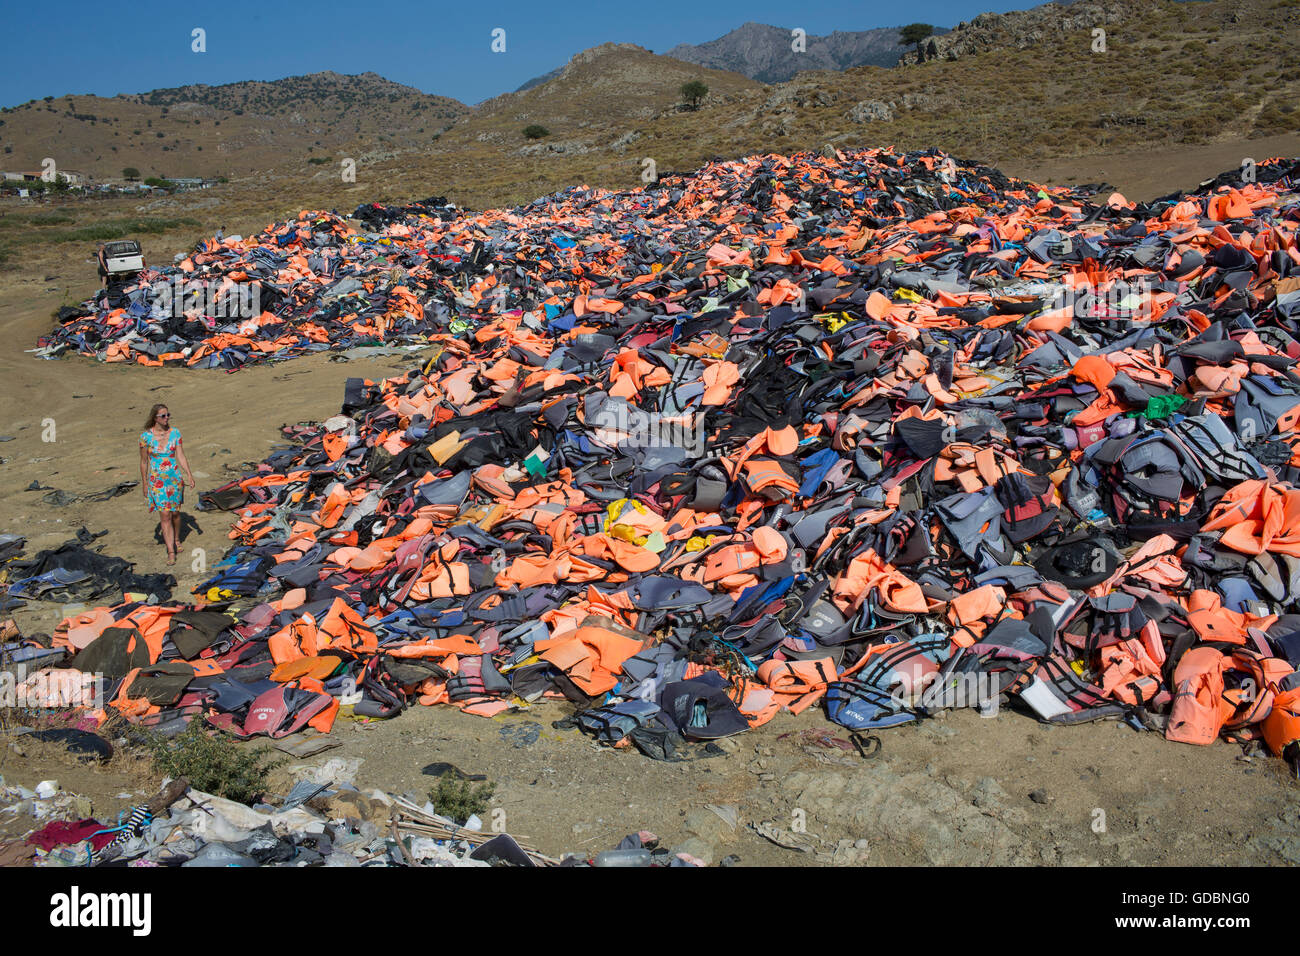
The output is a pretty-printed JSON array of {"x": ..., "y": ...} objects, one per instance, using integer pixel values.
[{"x": 884, "y": 433}]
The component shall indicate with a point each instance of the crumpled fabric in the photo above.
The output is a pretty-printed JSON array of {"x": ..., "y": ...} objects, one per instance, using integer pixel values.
[{"x": 66, "y": 832}]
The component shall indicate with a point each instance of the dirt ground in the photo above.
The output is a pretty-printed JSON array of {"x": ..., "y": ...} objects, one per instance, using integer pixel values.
[
  {"x": 1143, "y": 176},
  {"x": 954, "y": 790}
]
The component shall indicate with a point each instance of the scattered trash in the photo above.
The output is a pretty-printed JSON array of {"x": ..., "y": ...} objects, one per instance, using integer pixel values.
[
  {"x": 46, "y": 789},
  {"x": 790, "y": 840},
  {"x": 503, "y": 850},
  {"x": 442, "y": 769},
  {"x": 730, "y": 815},
  {"x": 82, "y": 743},
  {"x": 522, "y": 734},
  {"x": 619, "y": 858},
  {"x": 307, "y": 746},
  {"x": 73, "y": 572},
  {"x": 336, "y": 770},
  {"x": 303, "y": 791}
]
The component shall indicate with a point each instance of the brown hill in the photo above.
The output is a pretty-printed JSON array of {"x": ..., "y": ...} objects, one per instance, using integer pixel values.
[
  {"x": 232, "y": 130},
  {"x": 600, "y": 95},
  {"x": 599, "y": 110},
  {"x": 1172, "y": 74}
]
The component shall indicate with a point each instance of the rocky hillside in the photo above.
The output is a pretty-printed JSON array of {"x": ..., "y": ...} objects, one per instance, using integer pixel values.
[
  {"x": 765, "y": 53},
  {"x": 1021, "y": 29},
  {"x": 231, "y": 130}
]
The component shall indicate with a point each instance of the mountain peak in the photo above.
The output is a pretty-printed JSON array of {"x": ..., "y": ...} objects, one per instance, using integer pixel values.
[{"x": 763, "y": 52}]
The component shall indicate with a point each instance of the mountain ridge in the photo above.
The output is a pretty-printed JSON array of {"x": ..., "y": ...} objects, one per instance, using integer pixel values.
[{"x": 766, "y": 53}]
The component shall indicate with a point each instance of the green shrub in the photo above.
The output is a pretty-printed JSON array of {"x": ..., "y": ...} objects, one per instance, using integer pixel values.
[
  {"x": 535, "y": 131},
  {"x": 693, "y": 92},
  {"x": 214, "y": 764},
  {"x": 458, "y": 800},
  {"x": 318, "y": 160}
]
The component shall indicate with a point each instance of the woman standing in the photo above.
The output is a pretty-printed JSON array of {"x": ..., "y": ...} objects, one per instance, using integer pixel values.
[{"x": 161, "y": 461}]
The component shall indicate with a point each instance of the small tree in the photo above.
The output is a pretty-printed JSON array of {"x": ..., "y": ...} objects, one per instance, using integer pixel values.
[
  {"x": 536, "y": 131},
  {"x": 131, "y": 174},
  {"x": 693, "y": 92},
  {"x": 914, "y": 33}
]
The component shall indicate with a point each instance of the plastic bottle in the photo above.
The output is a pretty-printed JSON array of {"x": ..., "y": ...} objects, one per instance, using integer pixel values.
[{"x": 623, "y": 858}]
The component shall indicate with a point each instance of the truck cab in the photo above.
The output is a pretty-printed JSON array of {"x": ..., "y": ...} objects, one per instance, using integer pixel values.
[{"x": 123, "y": 259}]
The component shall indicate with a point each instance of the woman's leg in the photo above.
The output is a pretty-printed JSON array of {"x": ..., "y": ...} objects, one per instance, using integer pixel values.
[{"x": 168, "y": 533}]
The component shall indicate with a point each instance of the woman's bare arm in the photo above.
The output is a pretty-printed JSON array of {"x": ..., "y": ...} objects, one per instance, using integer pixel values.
[
  {"x": 144, "y": 470},
  {"x": 180, "y": 456}
]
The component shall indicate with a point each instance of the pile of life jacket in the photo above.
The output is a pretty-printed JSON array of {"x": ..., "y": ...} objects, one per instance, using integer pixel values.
[
  {"x": 305, "y": 285},
  {"x": 876, "y": 433}
]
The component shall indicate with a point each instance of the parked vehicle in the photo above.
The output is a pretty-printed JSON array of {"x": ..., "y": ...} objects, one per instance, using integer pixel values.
[{"x": 122, "y": 259}]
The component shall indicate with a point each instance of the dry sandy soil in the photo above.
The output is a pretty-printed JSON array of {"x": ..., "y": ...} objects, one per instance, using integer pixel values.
[{"x": 950, "y": 791}]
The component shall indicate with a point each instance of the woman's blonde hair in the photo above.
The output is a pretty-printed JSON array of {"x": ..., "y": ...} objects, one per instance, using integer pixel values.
[{"x": 153, "y": 415}]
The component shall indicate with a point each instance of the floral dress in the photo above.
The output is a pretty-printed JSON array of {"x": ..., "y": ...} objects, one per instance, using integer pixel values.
[{"x": 165, "y": 489}]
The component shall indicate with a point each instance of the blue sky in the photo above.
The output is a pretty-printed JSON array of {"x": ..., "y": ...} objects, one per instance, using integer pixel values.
[{"x": 105, "y": 48}]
